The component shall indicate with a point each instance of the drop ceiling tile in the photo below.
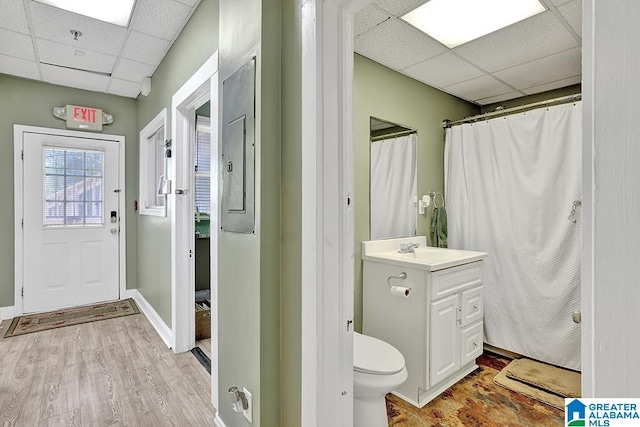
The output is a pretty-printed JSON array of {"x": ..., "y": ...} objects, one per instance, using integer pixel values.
[
  {"x": 443, "y": 70},
  {"x": 542, "y": 71},
  {"x": 479, "y": 88},
  {"x": 19, "y": 67},
  {"x": 55, "y": 24},
  {"x": 500, "y": 98},
  {"x": 143, "y": 48},
  {"x": 572, "y": 12},
  {"x": 553, "y": 85},
  {"x": 13, "y": 16},
  {"x": 63, "y": 54},
  {"x": 160, "y": 18},
  {"x": 396, "y": 45},
  {"x": 132, "y": 70},
  {"x": 397, "y": 7},
  {"x": 367, "y": 18},
  {"x": 533, "y": 38},
  {"x": 74, "y": 78},
  {"x": 124, "y": 88},
  {"x": 16, "y": 44}
]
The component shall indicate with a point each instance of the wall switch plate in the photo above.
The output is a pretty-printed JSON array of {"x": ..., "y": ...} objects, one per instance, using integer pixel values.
[{"x": 248, "y": 413}]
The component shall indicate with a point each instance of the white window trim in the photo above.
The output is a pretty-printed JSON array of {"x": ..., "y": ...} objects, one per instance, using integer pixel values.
[{"x": 149, "y": 130}]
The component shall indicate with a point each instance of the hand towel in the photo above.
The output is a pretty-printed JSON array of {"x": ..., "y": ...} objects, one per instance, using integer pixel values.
[{"x": 439, "y": 227}]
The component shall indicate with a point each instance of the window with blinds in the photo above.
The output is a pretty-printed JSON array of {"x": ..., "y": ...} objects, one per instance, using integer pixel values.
[
  {"x": 153, "y": 166},
  {"x": 156, "y": 168},
  {"x": 202, "y": 152}
]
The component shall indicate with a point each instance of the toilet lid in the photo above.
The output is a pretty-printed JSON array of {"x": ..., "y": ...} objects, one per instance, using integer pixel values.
[{"x": 374, "y": 356}]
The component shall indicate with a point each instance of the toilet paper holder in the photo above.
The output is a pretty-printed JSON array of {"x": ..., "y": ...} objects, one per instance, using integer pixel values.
[{"x": 402, "y": 276}]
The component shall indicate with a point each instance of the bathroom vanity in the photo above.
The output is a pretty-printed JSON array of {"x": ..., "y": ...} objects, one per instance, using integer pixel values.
[{"x": 426, "y": 302}]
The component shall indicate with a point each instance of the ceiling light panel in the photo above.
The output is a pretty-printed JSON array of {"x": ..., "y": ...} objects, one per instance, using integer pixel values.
[
  {"x": 117, "y": 12},
  {"x": 455, "y": 22}
]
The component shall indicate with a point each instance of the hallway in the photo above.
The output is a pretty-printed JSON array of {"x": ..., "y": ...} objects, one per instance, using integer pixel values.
[{"x": 114, "y": 371}]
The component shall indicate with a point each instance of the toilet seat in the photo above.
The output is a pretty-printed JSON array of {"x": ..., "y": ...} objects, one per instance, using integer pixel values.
[{"x": 374, "y": 356}]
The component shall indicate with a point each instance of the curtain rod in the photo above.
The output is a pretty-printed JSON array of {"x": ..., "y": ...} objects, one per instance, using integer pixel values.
[
  {"x": 506, "y": 111},
  {"x": 392, "y": 135}
]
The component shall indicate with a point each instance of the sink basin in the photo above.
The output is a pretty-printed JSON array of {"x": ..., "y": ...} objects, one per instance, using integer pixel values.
[
  {"x": 423, "y": 257},
  {"x": 433, "y": 255}
]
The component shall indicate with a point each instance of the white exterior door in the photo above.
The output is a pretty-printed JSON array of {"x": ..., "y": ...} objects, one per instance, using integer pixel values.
[{"x": 71, "y": 221}]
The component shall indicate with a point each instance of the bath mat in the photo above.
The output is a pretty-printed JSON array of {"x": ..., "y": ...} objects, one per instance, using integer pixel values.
[
  {"x": 545, "y": 383},
  {"x": 22, "y": 325},
  {"x": 560, "y": 381},
  {"x": 526, "y": 390}
]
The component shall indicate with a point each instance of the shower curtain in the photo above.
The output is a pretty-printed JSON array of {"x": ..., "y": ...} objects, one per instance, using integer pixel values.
[
  {"x": 510, "y": 183},
  {"x": 393, "y": 187}
]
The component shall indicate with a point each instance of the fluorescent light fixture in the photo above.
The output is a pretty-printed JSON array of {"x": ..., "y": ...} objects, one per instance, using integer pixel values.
[
  {"x": 114, "y": 11},
  {"x": 455, "y": 22}
]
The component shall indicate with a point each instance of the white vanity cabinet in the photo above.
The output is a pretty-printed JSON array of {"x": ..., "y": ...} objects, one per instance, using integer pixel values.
[
  {"x": 439, "y": 327},
  {"x": 455, "y": 317}
]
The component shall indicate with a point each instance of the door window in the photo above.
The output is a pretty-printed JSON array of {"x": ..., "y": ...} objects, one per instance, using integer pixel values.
[{"x": 73, "y": 187}]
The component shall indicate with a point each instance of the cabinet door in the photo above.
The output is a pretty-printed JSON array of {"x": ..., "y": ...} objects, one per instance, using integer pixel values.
[
  {"x": 471, "y": 343},
  {"x": 471, "y": 306},
  {"x": 444, "y": 340}
]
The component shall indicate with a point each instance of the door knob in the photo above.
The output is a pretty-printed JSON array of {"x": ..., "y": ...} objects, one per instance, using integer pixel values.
[
  {"x": 577, "y": 316},
  {"x": 114, "y": 231}
]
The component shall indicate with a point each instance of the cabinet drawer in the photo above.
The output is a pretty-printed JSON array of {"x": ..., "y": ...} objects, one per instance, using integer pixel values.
[
  {"x": 470, "y": 343},
  {"x": 451, "y": 280},
  {"x": 472, "y": 307}
]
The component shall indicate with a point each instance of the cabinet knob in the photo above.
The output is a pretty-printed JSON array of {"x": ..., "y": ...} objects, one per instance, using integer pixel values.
[
  {"x": 475, "y": 308},
  {"x": 475, "y": 344}
]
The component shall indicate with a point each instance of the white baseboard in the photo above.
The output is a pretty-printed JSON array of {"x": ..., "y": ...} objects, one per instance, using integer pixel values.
[
  {"x": 217, "y": 421},
  {"x": 163, "y": 330},
  {"x": 129, "y": 293},
  {"x": 8, "y": 312}
]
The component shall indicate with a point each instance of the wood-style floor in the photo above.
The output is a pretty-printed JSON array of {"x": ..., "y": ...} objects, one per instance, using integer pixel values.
[
  {"x": 476, "y": 401},
  {"x": 114, "y": 371}
]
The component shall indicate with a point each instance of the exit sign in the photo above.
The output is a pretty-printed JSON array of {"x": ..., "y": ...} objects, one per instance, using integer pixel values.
[{"x": 85, "y": 118}]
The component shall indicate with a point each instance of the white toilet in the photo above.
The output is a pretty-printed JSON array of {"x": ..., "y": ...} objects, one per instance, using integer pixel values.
[{"x": 378, "y": 368}]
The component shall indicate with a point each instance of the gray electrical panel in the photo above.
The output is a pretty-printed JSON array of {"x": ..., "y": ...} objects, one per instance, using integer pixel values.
[{"x": 238, "y": 150}]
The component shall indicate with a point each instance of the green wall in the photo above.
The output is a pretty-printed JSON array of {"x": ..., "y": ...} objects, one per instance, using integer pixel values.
[
  {"x": 270, "y": 214},
  {"x": 196, "y": 43},
  {"x": 383, "y": 93},
  {"x": 291, "y": 208},
  {"x": 28, "y": 102},
  {"x": 249, "y": 265}
]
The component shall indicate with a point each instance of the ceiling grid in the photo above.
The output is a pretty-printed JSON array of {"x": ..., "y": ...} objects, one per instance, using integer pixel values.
[
  {"x": 36, "y": 43},
  {"x": 537, "y": 54}
]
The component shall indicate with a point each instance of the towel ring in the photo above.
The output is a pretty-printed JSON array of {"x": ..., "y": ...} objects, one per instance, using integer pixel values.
[{"x": 435, "y": 195}]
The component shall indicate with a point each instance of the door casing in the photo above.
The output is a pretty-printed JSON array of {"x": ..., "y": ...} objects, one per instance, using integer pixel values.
[
  {"x": 18, "y": 181},
  {"x": 200, "y": 88}
]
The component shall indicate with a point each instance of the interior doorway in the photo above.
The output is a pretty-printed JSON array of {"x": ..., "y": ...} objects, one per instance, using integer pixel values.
[
  {"x": 202, "y": 219},
  {"x": 327, "y": 63},
  {"x": 198, "y": 92}
]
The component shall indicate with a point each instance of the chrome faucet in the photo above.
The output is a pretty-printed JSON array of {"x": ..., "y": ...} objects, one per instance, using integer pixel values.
[{"x": 408, "y": 248}]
